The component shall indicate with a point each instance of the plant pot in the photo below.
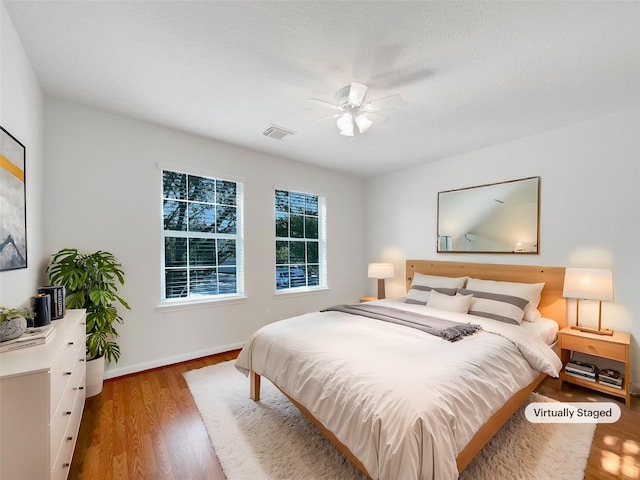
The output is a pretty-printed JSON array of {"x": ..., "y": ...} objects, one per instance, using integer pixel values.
[
  {"x": 10, "y": 329},
  {"x": 95, "y": 376}
]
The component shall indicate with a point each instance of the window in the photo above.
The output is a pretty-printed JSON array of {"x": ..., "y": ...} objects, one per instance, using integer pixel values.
[
  {"x": 202, "y": 251},
  {"x": 300, "y": 241}
]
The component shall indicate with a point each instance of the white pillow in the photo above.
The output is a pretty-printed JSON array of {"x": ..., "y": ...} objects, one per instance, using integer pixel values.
[
  {"x": 422, "y": 284},
  {"x": 457, "y": 303},
  {"x": 497, "y": 306},
  {"x": 528, "y": 291}
]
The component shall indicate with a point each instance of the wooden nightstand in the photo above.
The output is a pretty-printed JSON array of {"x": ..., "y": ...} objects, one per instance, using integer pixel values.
[
  {"x": 615, "y": 347},
  {"x": 367, "y": 299}
]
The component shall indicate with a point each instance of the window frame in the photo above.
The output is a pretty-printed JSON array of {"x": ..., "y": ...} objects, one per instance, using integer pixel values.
[
  {"x": 322, "y": 242},
  {"x": 238, "y": 237}
]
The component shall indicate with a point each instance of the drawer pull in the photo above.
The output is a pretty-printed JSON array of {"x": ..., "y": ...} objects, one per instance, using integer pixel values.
[
  {"x": 67, "y": 413},
  {"x": 82, "y": 360},
  {"x": 66, "y": 373},
  {"x": 69, "y": 439},
  {"x": 70, "y": 344},
  {"x": 66, "y": 465}
]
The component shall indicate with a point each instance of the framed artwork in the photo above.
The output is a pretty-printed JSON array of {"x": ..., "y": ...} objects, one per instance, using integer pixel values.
[{"x": 13, "y": 203}]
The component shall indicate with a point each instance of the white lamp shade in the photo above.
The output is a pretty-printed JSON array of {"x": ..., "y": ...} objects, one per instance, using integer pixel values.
[
  {"x": 588, "y": 284},
  {"x": 363, "y": 123},
  {"x": 345, "y": 124},
  {"x": 380, "y": 270}
]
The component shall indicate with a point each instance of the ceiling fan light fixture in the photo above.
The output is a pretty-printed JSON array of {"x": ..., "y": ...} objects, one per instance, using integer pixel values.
[
  {"x": 363, "y": 123},
  {"x": 352, "y": 102},
  {"x": 345, "y": 124}
]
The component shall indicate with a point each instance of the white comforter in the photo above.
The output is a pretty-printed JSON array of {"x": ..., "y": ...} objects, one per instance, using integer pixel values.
[{"x": 404, "y": 402}]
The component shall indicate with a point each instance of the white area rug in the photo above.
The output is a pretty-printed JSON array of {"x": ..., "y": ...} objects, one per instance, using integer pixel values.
[{"x": 272, "y": 440}]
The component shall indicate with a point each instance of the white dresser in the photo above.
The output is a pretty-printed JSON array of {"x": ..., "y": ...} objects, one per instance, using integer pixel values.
[{"x": 42, "y": 392}]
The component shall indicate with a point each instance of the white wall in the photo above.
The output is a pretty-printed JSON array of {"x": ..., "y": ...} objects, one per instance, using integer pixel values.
[
  {"x": 103, "y": 191},
  {"x": 590, "y": 207},
  {"x": 21, "y": 111}
]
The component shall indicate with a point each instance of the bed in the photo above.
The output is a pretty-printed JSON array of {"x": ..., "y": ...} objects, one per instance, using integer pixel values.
[{"x": 404, "y": 404}]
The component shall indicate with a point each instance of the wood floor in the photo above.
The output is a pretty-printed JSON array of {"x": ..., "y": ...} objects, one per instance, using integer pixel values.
[{"x": 146, "y": 426}]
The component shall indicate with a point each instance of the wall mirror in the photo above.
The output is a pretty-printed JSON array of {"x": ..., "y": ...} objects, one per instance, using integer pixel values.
[{"x": 495, "y": 218}]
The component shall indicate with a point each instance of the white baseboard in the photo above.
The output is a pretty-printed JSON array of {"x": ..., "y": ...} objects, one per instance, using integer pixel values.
[{"x": 163, "y": 362}]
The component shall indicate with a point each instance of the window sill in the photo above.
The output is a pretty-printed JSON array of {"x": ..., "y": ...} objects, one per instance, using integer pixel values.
[
  {"x": 179, "y": 305},
  {"x": 301, "y": 292}
]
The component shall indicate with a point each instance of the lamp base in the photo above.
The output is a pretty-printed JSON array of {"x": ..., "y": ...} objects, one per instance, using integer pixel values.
[{"x": 604, "y": 331}]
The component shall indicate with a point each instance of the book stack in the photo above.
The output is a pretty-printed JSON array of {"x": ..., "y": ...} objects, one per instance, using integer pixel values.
[
  {"x": 58, "y": 296},
  {"x": 30, "y": 338},
  {"x": 610, "y": 378},
  {"x": 583, "y": 370}
]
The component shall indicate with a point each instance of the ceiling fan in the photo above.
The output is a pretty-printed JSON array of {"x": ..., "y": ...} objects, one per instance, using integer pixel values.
[{"x": 351, "y": 102}]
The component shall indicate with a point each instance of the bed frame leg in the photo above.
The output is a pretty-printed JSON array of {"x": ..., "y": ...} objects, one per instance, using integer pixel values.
[{"x": 254, "y": 382}]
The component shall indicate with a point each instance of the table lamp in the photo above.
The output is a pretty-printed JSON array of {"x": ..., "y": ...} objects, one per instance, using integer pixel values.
[
  {"x": 381, "y": 271},
  {"x": 589, "y": 284}
]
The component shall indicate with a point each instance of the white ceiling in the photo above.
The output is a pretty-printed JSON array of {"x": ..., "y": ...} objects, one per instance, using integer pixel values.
[{"x": 471, "y": 74}]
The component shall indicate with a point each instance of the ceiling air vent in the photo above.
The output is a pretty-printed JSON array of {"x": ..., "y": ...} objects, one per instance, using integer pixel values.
[{"x": 274, "y": 131}]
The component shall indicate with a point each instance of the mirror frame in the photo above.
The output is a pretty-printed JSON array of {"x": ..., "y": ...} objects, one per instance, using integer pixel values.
[{"x": 535, "y": 251}]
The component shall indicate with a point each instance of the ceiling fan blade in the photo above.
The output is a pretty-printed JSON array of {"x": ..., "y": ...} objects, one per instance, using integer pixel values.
[
  {"x": 335, "y": 115},
  {"x": 357, "y": 92},
  {"x": 384, "y": 102},
  {"x": 378, "y": 115},
  {"x": 326, "y": 104}
]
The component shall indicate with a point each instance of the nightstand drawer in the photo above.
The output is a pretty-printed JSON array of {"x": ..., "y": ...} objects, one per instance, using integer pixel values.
[{"x": 593, "y": 346}]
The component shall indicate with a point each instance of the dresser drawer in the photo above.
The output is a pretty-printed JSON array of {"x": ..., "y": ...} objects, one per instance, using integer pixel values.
[
  {"x": 61, "y": 462},
  {"x": 594, "y": 346},
  {"x": 61, "y": 418},
  {"x": 72, "y": 353}
]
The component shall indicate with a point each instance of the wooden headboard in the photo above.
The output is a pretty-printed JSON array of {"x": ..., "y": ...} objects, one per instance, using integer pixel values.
[{"x": 552, "y": 304}]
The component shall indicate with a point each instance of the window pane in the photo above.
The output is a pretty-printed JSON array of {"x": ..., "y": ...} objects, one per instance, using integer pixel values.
[
  {"x": 282, "y": 201},
  {"x": 175, "y": 215},
  {"x": 202, "y": 189},
  {"x": 225, "y": 192},
  {"x": 282, "y": 252},
  {"x": 296, "y": 201},
  {"x": 298, "y": 276},
  {"x": 174, "y": 185},
  {"x": 203, "y": 261},
  {"x": 175, "y": 283},
  {"x": 297, "y": 226},
  {"x": 175, "y": 252},
  {"x": 313, "y": 275},
  {"x": 202, "y": 217},
  {"x": 226, "y": 252},
  {"x": 297, "y": 252},
  {"x": 282, "y": 277},
  {"x": 226, "y": 219},
  {"x": 312, "y": 252},
  {"x": 282, "y": 224},
  {"x": 310, "y": 227},
  {"x": 202, "y": 251},
  {"x": 227, "y": 280},
  {"x": 203, "y": 281},
  {"x": 311, "y": 204}
]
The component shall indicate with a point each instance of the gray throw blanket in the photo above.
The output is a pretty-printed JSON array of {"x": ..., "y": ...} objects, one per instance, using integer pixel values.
[{"x": 439, "y": 327}]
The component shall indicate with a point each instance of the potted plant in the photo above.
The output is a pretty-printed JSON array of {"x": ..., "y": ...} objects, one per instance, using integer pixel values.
[
  {"x": 13, "y": 322},
  {"x": 91, "y": 281}
]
